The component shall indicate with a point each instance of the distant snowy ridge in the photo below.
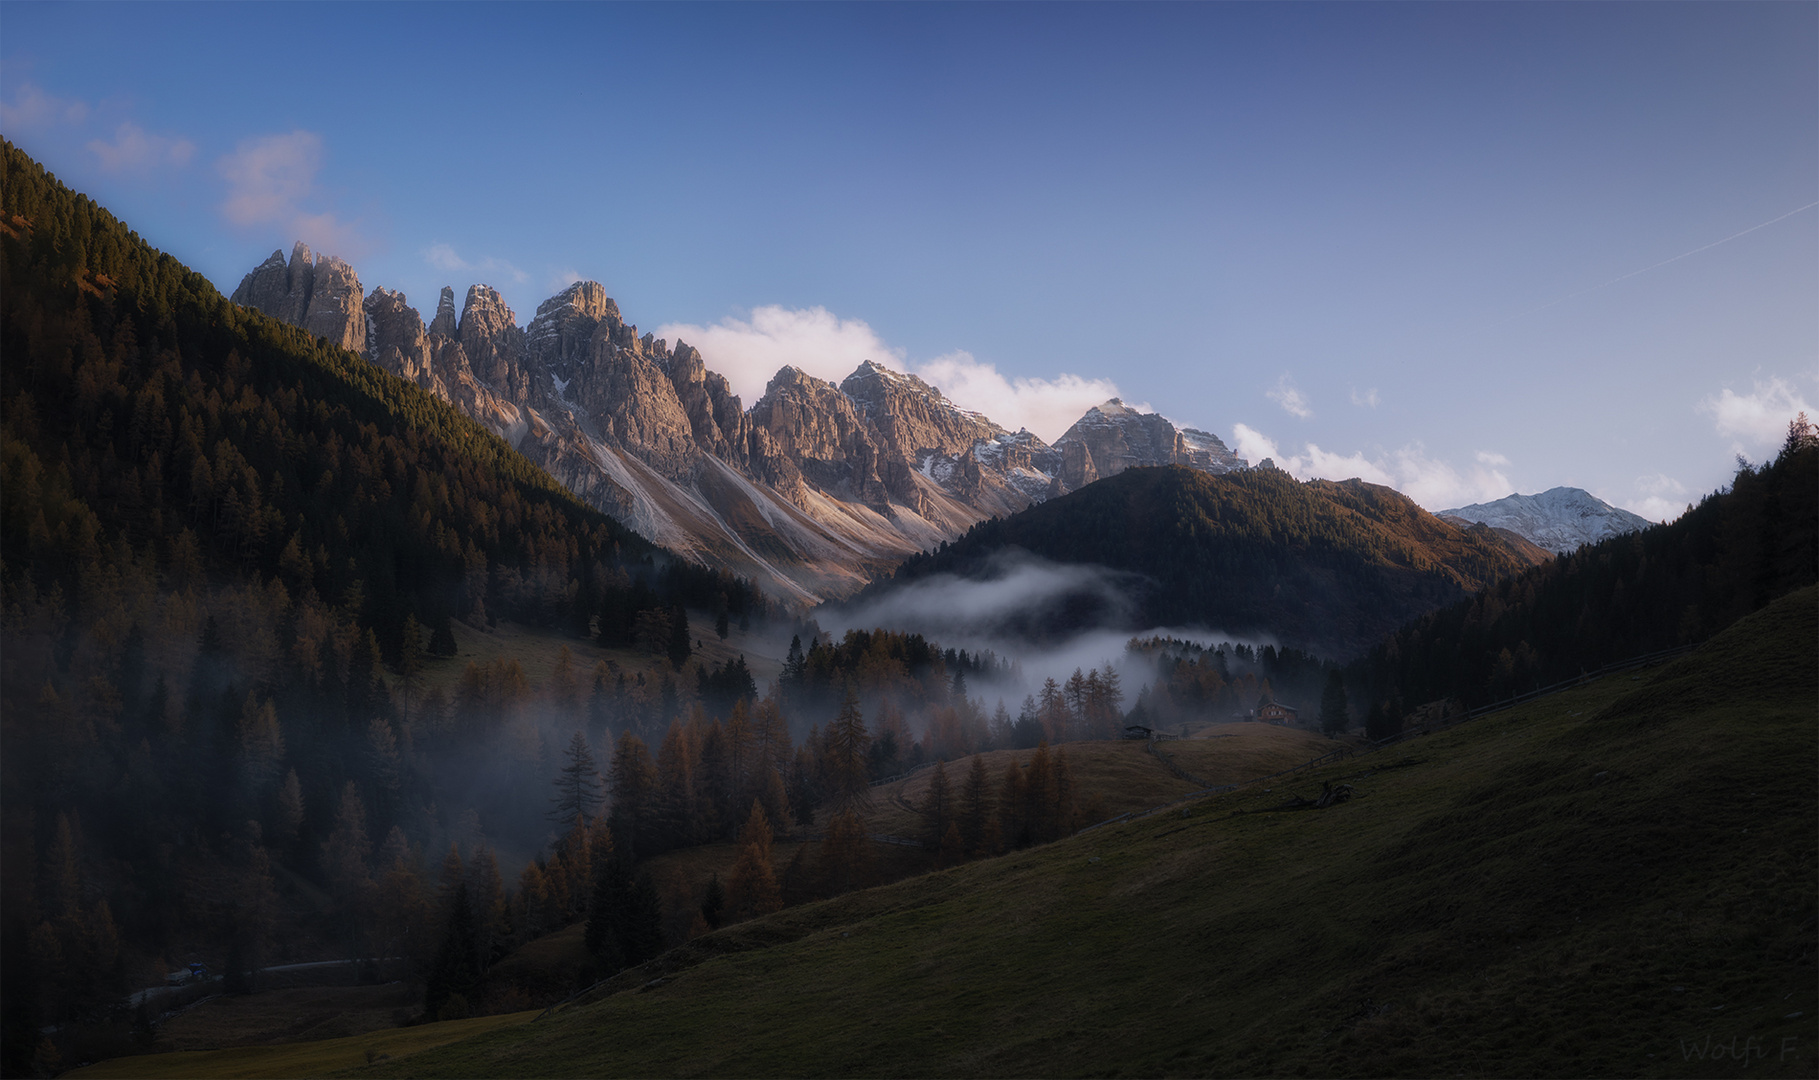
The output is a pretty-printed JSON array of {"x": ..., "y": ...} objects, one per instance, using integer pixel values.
[{"x": 1560, "y": 519}]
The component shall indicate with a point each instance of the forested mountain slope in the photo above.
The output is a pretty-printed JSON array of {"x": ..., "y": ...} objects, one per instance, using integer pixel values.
[
  {"x": 1640, "y": 592},
  {"x": 217, "y": 532},
  {"x": 1329, "y": 567}
]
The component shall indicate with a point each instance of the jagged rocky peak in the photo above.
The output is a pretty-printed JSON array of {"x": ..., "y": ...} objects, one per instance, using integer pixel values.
[
  {"x": 1114, "y": 437},
  {"x": 811, "y": 426},
  {"x": 494, "y": 344},
  {"x": 562, "y": 332},
  {"x": 445, "y": 323},
  {"x": 719, "y": 424},
  {"x": 391, "y": 322},
  {"x": 335, "y": 308},
  {"x": 318, "y": 294},
  {"x": 268, "y": 288},
  {"x": 912, "y": 417}
]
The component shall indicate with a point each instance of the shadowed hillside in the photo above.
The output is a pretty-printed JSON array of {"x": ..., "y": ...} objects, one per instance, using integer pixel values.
[
  {"x": 1323, "y": 566},
  {"x": 1614, "y": 879}
]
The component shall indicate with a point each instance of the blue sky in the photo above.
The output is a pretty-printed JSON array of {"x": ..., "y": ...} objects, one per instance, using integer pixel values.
[{"x": 1455, "y": 248}]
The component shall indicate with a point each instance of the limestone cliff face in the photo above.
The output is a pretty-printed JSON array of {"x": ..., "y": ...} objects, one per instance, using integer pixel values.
[
  {"x": 561, "y": 335},
  {"x": 322, "y": 295},
  {"x": 335, "y": 310},
  {"x": 395, "y": 340},
  {"x": 493, "y": 342},
  {"x": 715, "y": 417},
  {"x": 632, "y": 404},
  {"x": 816, "y": 433},
  {"x": 811, "y": 491},
  {"x": 445, "y": 322}
]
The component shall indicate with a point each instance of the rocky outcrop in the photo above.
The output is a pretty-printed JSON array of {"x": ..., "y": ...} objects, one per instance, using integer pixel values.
[
  {"x": 335, "y": 311},
  {"x": 321, "y": 295},
  {"x": 494, "y": 344},
  {"x": 560, "y": 336},
  {"x": 913, "y": 418},
  {"x": 814, "y": 433},
  {"x": 630, "y": 402},
  {"x": 395, "y": 340},
  {"x": 1113, "y": 437},
  {"x": 444, "y": 323},
  {"x": 719, "y": 425}
]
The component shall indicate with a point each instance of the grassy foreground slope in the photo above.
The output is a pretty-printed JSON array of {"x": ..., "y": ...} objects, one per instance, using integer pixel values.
[{"x": 1605, "y": 882}]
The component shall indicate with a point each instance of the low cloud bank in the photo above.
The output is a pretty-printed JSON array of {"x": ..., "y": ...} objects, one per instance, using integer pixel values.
[{"x": 1050, "y": 618}]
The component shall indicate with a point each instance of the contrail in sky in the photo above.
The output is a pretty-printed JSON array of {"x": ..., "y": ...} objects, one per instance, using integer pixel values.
[{"x": 1659, "y": 265}]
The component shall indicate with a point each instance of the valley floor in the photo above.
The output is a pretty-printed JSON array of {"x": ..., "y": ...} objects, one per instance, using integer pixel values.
[{"x": 1615, "y": 880}]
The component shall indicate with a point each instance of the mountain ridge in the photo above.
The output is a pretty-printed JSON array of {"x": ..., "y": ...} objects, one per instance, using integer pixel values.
[
  {"x": 1560, "y": 519},
  {"x": 1326, "y": 566},
  {"x": 813, "y": 490}
]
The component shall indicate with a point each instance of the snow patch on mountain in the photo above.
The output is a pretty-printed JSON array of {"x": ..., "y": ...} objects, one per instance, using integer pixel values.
[{"x": 1560, "y": 519}]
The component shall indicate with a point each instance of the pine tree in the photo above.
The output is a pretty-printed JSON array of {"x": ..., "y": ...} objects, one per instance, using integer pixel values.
[
  {"x": 953, "y": 849},
  {"x": 442, "y": 639},
  {"x": 563, "y": 691},
  {"x": 577, "y": 783},
  {"x": 605, "y": 933},
  {"x": 643, "y": 925},
  {"x": 975, "y": 806},
  {"x": 1333, "y": 716},
  {"x": 937, "y": 809},
  {"x": 847, "y": 781},
  {"x": 454, "y": 977},
  {"x": 679, "y": 647},
  {"x": 713, "y": 902},
  {"x": 751, "y": 885}
]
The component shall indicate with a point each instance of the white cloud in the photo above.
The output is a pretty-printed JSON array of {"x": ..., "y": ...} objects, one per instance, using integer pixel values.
[
  {"x": 1662, "y": 498},
  {"x": 1364, "y": 399},
  {"x": 135, "y": 150},
  {"x": 1432, "y": 483},
  {"x": 1047, "y": 407},
  {"x": 1291, "y": 399},
  {"x": 563, "y": 278},
  {"x": 1660, "y": 484},
  {"x": 1655, "y": 508},
  {"x": 270, "y": 178},
  {"x": 31, "y": 107},
  {"x": 1759, "y": 418},
  {"x": 749, "y": 351},
  {"x": 443, "y": 257}
]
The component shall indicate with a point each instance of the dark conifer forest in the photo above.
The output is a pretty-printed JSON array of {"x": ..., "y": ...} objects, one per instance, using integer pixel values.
[
  {"x": 1664, "y": 587},
  {"x": 225, "y": 544},
  {"x": 1323, "y": 566}
]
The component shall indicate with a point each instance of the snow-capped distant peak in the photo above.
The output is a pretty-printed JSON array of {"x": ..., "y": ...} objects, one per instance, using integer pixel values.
[{"x": 1560, "y": 519}]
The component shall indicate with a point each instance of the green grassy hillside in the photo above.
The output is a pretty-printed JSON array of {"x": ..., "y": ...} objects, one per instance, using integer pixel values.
[{"x": 1612, "y": 880}]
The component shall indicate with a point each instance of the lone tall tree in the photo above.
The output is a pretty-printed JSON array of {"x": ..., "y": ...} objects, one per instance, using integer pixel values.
[
  {"x": 1333, "y": 718},
  {"x": 847, "y": 740},
  {"x": 577, "y": 783}
]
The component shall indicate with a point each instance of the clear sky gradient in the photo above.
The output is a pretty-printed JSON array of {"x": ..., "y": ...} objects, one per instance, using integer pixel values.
[{"x": 1396, "y": 241}]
